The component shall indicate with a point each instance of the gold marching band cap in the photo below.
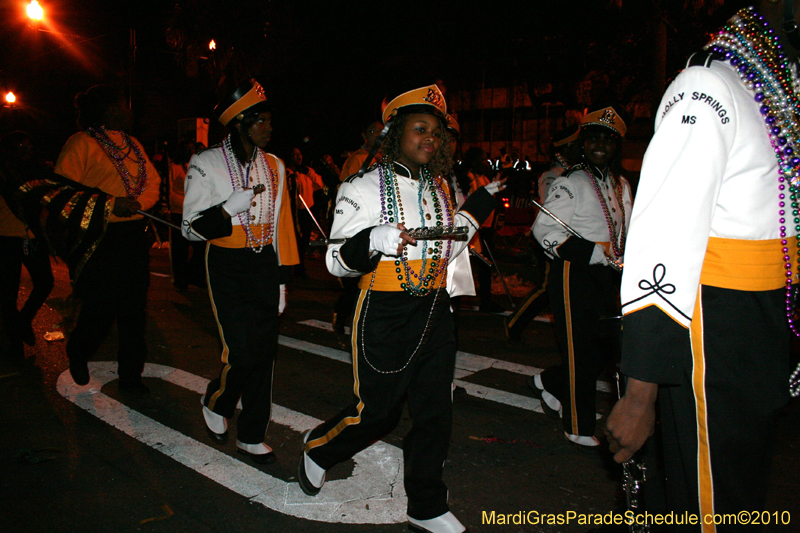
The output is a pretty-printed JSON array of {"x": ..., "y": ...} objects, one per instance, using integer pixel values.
[
  {"x": 452, "y": 125},
  {"x": 566, "y": 136},
  {"x": 428, "y": 99},
  {"x": 607, "y": 118},
  {"x": 246, "y": 96}
]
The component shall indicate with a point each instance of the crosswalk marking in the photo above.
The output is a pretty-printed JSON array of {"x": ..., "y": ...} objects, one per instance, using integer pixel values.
[{"x": 373, "y": 494}]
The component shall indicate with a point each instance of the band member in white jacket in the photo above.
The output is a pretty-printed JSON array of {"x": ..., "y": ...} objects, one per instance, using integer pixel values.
[
  {"x": 237, "y": 199},
  {"x": 595, "y": 201},
  {"x": 711, "y": 255},
  {"x": 403, "y": 343}
]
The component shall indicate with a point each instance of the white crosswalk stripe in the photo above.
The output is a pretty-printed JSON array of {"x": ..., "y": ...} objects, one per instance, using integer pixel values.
[{"x": 371, "y": 495}]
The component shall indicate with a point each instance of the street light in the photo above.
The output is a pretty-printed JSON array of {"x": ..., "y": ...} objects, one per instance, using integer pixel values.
[
  {"x": 10, "y": 98},
  {"x": 35, "y": 11}
]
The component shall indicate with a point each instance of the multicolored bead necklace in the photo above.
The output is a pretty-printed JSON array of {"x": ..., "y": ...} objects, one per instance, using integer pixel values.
[
  {"x": 617, "y": 245},
  {"x": 561, "y": 161},
  {"x": 416, "y": 283},
  {"x": 752, "y": 47},
  {"x": 245, "y": 178},
  {"x": 134, "y": 186},
  {"x": 392, "y": 213}
]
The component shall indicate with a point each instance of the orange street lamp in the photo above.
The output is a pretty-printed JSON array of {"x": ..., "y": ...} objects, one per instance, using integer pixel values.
[
  {"x": 35, "y": 11},
  {"x": 10, "y": 98}
]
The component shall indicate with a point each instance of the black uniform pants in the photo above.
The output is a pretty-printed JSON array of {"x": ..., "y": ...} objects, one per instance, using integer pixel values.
[
  {"x": 389, "y": 326},
  {"x": 243, "y": 286},
  {"x": 15, "y": 252},
  {"x": 718, "y": 422},
  {"x": 584, "y": 299},
  {"x": 113, "y": 286}
]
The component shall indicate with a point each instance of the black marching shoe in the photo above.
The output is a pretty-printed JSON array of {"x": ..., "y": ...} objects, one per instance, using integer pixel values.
[
  {"x": 259, "y": 453},
  {"x": 446, "y": 523},
  {"x": 216, "y": 425}
]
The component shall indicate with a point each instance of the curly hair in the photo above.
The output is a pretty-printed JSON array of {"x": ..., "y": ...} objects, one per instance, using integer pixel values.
[{"x": 442, "y": 162}]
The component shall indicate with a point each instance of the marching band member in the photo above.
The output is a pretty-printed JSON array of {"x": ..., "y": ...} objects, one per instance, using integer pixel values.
[
  {"x": 403, "y": 341},
  {"x": 18, "y": 247},
  {"x": 583, "y": 287},
  {"x": 250, "y": 234},
  {"x": 709, "y": 269},
  {"x": 356, "y": 159},
  {"x": 114, "y": 280}
]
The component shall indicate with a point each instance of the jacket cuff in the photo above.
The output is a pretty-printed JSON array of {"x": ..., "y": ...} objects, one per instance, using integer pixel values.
[
  {"x": 479, "y": 205},
  {"x": 354, "y": 253},
  {"x": 576, "y": 250},
  {"x": 647, "y": 359},
  {"x": 212, "y": 224}
]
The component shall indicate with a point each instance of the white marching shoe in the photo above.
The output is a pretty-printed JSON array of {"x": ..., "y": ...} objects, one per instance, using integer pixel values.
[
  {"x": 216, "y": 425},
  {"x": 550, "y": 404},
  {"x": 583, "y": 440},
  {"x": 310, "y": 475},
  {"x": 446, "y": 523},
  {"x": 260, "y": 453}
]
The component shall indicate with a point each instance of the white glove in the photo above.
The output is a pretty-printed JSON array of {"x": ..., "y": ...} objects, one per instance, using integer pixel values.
[
  {"x": 238, "y": 202},
  {"x": 494, "y": 187},
  {"x": 385, "y": 239},
  {"x": 282, "y": 299},
  {"x": 599, "y": 256}
]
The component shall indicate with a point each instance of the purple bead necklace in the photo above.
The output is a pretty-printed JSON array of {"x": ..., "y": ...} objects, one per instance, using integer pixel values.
[
  {"x": 617, "y": 244},
  {"x": 261, "y": 173},
  {"x": 752, "y": 47},
  {"x": 134, "y": 185}
]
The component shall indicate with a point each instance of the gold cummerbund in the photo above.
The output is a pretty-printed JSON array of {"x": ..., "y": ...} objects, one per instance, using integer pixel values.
[
  {"x": 747, "y": 265},
  {"x": 388, "y": 279},
  {"x": 238, "y": 239}
]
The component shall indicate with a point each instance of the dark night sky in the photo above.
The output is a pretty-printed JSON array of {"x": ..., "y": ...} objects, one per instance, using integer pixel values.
[{"x": 326, "y": 65}]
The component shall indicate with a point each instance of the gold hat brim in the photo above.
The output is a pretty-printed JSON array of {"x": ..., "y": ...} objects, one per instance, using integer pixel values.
[
  {"x": 429, "y": 96},
  {"x": 607, "y": 118},
  {"x": 236, "y": 110}
]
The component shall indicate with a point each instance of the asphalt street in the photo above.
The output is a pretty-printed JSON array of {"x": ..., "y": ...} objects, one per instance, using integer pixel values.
[{"x": 91, "y": 459}]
